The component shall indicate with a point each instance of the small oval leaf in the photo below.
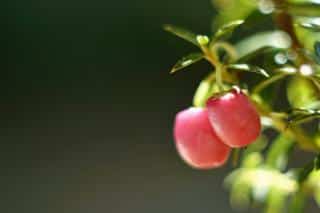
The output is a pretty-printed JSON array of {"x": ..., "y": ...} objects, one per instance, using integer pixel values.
[
  {"x": 187, "y": 61},
  {"x": 182, "y": 33},
  {"x": 226, "y": 30},
  {"x": 248, "y": 68}
]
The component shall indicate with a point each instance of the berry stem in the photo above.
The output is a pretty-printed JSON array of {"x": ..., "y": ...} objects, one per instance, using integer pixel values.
[
  {"x": 235, "y": 157},
  {"x": 219, "y": 77},
  {"x": 212, "y": 57}
]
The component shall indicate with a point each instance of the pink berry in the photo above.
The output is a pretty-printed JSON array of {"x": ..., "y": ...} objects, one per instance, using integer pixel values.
[
  {"x": 234, "y": 118},
  {"x": 196, "y": 142}
]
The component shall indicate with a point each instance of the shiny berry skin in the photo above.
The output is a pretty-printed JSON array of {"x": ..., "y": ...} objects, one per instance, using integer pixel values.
[
  {"x": 196, "y": 142},
  {"x": 234, "y": 118}
]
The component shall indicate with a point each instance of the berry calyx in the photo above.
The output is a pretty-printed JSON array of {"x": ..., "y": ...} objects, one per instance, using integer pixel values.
[
  {"x": 234, "y": 118},
  {"x": 196, "y": 141}
]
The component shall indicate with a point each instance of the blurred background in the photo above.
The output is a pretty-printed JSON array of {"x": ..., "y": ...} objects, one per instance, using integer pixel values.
[{"x": 87, "y": 107}]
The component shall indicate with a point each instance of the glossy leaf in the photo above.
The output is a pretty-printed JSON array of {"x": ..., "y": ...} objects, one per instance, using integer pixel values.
[
  {"x": 232, "y": 10},
  {"x": 276, "y": 39},
  {"x": 182, "y": 33},
  {"x": 248, "y": 68},
  {"x": 226, "y": 30},
  {"x": 259, "y": 52},
  {"x": 187, "y": 61},
  {"x": 298, "y": 116},
  {"x": 310, "y": 26},
  {"x": 303, "y": 9}
]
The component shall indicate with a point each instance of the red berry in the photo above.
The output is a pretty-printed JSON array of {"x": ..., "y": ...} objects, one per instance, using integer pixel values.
[
  {"x": 234, "y": 118},
  {"x": 196, "y": 141}
]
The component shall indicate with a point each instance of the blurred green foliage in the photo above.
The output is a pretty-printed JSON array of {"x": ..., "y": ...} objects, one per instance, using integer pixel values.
[{"x": 286, "y": 52}]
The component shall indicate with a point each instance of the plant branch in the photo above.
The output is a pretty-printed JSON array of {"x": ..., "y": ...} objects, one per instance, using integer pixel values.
[
  {"x": 286, "y": 23},
  {"x": 213, "y": 59},
  {"x": 296, "y": 132}
]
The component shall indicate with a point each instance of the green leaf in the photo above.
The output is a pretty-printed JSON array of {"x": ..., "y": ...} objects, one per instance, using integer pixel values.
[
  {"x": 303, "y": 9},
  {"x": 304, "y": 172},
  {"x": 187, "y": 61},
  {"x": 182, "y": 33},
  {"x": 298, "y": 202},
  {"x": 232, "y": 10},
  {"x": 248, "y": 68},
  {"x": 252, "y": 160},
  {"x": 259, "y": 52},
  {"x": 226, "y": 30},
  {"x": 298, "y": 116},
  {"x": 257, "y": 146},
  {"x": 307, "y": 169},
  {"x": 276, "y": 39},
  {"x": 277, "y": 156},
  {"x": 251, "y": 155},
  {"x": 205, "y": 90},
  {"x": 276, "y": 201},
  {"x": 317, "y": 197},
  {"x": 301, "y": 92},
  {"x": 310, "y": 26},
  {"x": 240, "y": 195}
]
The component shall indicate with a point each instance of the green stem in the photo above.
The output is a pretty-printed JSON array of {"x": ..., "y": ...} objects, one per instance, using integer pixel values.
[
  {"x": 219, "y": 77},
  {"x": 235, "y": 157},
  {"x": 297, "y": 202},
  {"x": 258, "y": 88},
  {"x": 213, "y": 59},
  {"x": 295, "y": 132},
  {"x": 227, "y": 47}
]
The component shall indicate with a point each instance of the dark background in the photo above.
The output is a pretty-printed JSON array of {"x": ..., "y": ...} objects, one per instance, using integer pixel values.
[{"x": 87, "y": 107}]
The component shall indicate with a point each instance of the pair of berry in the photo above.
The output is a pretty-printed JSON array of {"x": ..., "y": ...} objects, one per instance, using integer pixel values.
[{"x": 205, "y": 136}]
